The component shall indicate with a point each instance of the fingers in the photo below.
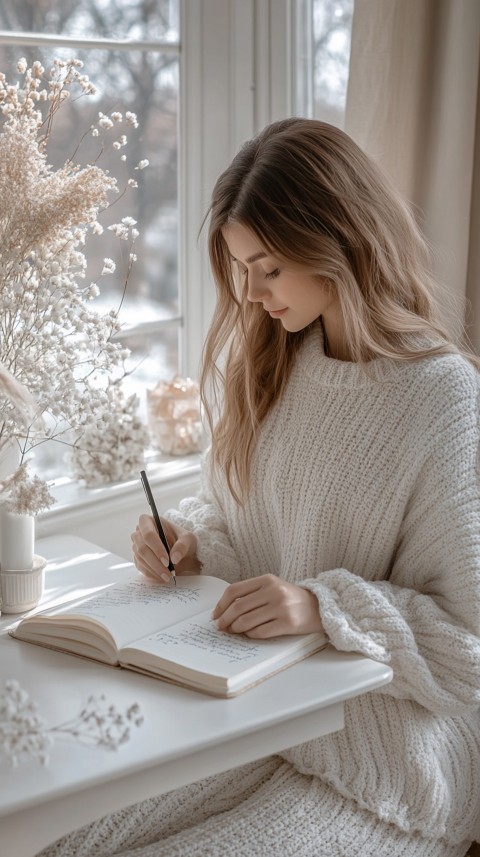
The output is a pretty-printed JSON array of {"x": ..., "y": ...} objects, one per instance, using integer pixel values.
[
  {"x": 275, "y": 628},
  {"x": 247, "y": 606},
  {"x": 251, "y": 621},
  {"x": 267, "y": 606},
  {"x": 150, "y": 555},
  {"x": 184, "y": 547},
  {"x": 236, "y": 591},
  {"x": 148, "y": 533}
]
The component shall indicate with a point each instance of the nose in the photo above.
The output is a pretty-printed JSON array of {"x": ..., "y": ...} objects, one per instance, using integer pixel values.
[{"x": 257, "y": 288}]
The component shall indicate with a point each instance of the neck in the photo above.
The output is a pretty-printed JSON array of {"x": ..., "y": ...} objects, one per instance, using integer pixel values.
[{"x": 336, "y": 345}]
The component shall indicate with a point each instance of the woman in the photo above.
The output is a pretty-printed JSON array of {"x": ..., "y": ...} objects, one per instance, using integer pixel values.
[{"x": 340, "y": 493}]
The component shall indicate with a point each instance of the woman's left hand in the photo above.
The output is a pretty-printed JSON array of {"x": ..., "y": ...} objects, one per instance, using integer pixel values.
[{"x": 267, "y": 606}]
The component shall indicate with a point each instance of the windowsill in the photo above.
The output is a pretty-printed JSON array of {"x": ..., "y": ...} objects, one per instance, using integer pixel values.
[{"x": 163, "y": 471}]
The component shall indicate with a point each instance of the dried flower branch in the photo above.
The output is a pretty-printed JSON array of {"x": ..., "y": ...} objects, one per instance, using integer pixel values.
[
  {"x": 51, "y": 338},
  {"x": 24, "y": 734},
  {"x": 101, "y": 724},
  {"x": 20, "y": 398},
  {"x": 112, "y": 450},
  {"x": 26, "y": 494}
]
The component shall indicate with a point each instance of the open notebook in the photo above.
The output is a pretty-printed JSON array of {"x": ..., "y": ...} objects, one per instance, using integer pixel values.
[{"x": 166, "y": 632}]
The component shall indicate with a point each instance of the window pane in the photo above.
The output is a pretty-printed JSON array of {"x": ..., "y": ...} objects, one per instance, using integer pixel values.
[
  {"x": 146, "y": 83},
  {"x": 332, "y": 21},
  {"x": 153, "y": 358},
  {"x": 322, "y": 58},
  {"x": 112, "y": 19}
]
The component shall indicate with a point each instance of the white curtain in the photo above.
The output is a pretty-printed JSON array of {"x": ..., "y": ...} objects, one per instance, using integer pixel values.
[{"x": 413, "y": 105}]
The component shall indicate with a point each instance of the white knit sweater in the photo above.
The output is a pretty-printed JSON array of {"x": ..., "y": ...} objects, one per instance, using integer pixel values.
[{"x": 365, "y": 490}]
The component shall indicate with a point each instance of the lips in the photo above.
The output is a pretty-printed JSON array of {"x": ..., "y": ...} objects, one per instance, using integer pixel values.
[{"x": 276, "y": 313}]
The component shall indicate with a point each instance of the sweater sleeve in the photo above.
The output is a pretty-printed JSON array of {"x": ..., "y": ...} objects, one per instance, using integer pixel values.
[
  {"x": 424, "y": 620},
  {"x": 204, "y": 516}
]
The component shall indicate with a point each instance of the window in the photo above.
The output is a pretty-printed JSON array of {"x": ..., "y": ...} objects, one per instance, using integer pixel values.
[
  {"x": 323, "y": 54},
  {"x": 130, "y": 51},
  {"x": 203, "y": 76}
]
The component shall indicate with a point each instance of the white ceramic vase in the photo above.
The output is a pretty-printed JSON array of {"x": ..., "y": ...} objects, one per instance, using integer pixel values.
[
  {"x": 17, "y": 541},
  {"x": 22, "y": 590},
  {"x": 21, "y": 570}
]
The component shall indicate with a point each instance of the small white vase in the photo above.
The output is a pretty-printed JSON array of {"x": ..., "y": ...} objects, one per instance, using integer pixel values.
[
  {"x": 17, "y": 541},
  {"x": 22, "y": 590}
]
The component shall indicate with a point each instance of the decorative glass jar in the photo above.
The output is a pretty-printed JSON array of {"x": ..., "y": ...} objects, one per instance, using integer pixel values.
[{"x": 174, "y": 417}]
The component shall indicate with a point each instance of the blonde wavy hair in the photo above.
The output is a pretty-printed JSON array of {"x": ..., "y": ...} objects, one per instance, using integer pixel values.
[{"x": 315, "y": 200}]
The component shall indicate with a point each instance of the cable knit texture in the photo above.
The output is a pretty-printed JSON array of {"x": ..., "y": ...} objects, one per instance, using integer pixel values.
[{"x": 365, "y": 490}]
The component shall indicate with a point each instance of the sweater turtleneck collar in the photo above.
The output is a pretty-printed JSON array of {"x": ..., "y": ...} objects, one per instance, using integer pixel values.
[{"x": 330, "y": 372}]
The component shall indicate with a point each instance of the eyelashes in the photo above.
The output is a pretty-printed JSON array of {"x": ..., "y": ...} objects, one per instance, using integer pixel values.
[{"x": 271, "y": 275}]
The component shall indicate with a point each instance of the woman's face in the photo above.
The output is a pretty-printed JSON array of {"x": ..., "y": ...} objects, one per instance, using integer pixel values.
[{"x": 294, "y": 297}]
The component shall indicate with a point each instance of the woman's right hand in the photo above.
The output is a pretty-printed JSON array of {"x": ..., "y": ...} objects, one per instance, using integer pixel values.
[{"x": 150, "y": 555}]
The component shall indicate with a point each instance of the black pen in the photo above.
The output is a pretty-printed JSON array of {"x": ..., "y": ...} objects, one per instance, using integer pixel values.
[{"x": 158, "y": 523}]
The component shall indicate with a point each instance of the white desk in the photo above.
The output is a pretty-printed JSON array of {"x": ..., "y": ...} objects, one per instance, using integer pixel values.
[{"x": 185, "y": 736}]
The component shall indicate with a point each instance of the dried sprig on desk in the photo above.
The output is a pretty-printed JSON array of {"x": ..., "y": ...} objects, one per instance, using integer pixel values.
[{"x": 24, "y": 734}]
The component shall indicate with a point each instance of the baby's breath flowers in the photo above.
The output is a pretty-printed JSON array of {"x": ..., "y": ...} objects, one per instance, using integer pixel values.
[
  {"x": 51, "y": 338},
  {"x": 26, "y": 494},
  {"x": 112, "y": 449},
  {"x": 25, "y": 735}
]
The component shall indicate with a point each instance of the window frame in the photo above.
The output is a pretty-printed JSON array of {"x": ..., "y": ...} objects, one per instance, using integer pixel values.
[{"x": 237, "y": 74}]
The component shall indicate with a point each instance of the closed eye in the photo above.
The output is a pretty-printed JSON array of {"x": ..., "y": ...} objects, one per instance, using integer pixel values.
[
  {"x": 272, "y": 274},
  {"x": 268, "y": 275}
]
